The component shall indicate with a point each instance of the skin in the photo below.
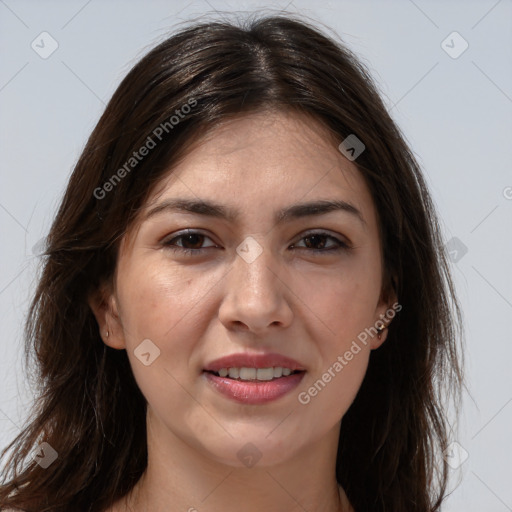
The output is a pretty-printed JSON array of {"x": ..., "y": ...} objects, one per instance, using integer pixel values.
[{"x": 307, "y": 306}]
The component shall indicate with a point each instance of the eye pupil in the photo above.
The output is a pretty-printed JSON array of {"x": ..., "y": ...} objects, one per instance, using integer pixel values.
[
  {"x": 315, "y": 240},
  {"x": 191, "y": 238}
]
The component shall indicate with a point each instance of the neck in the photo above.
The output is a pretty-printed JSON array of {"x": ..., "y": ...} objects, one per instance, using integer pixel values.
[{"x": 184, "y": 478}]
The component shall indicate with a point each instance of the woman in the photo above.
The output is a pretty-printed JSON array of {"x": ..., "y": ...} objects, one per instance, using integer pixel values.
[{"x": 245, "y": 297}]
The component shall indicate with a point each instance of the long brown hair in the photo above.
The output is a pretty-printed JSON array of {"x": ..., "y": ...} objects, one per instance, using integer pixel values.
[{"x": 89, "y": 408}]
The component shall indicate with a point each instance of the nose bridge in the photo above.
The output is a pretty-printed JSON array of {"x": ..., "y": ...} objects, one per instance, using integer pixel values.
[
  {"x": 252, "y": 268},
  {"x": 254, "y": 293}
]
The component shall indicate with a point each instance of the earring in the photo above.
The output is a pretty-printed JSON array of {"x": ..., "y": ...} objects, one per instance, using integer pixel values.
[
  {"x": 107, "y": 334},
  {"x": 380, "y": 329}
]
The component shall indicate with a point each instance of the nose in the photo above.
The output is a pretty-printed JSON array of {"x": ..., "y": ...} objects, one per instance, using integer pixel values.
[{"x": 257, "y": 295}]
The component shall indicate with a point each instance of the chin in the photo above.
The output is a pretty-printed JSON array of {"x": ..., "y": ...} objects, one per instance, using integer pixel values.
[{"x": 253, "y": 450}]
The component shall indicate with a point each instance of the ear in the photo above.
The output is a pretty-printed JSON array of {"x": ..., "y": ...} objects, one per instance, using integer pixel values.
[
  {"x": 386, "y": 310},
  {"x": 103, "y": 304}
]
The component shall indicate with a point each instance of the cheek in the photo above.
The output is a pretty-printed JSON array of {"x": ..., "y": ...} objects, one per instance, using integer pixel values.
[
  {"x": 345, "y": 384},
  {"x": 159, "y": 305},
  {"x": 155, "y": 299},
  {"x": 341, "y": 305},
  {"x": 169, "y": 306},
  {"x": 329, "y": 393}
]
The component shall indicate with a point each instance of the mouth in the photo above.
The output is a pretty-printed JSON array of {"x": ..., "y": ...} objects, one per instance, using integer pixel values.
[
  {"x": 253, "y": 386},
  {"x": 245, "y": 374},
  {"x": 254, "y": 378}
]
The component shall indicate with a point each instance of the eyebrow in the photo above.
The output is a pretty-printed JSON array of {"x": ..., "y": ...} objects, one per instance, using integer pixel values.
[{"x": 296, "y": 211}]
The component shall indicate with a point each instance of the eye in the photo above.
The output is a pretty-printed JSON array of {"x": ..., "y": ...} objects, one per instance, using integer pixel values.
[
  {"x": 190, "y": 242},
  {"x": 317, "y": 242}
]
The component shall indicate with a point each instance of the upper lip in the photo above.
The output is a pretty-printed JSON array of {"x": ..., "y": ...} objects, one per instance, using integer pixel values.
[{"x": 253, "y": 361}]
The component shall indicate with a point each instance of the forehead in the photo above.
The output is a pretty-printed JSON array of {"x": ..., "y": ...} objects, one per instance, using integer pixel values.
[
  {"x": 263, "y": 161},
  {"x": 259, "y": 165}
]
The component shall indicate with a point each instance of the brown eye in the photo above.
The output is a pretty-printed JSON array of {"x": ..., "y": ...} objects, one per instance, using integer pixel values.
[
  {"x": 188, "y": 242},
  {"x": 191, "y": 241},
  {"x": 318, "y": 242}
]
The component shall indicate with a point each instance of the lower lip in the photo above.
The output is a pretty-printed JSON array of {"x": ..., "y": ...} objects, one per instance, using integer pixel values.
[{"x": 250, "y": 392}]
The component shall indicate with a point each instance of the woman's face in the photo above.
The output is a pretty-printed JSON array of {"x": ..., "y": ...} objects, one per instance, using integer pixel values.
[{"x": 251, "y": 283}]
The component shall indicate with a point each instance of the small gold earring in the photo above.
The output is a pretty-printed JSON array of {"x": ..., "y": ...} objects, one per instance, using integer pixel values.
[{"x": 380, "y": 329}]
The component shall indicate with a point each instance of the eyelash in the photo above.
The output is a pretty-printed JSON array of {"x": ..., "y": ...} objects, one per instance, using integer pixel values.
[{"x": 341, "y": 246}]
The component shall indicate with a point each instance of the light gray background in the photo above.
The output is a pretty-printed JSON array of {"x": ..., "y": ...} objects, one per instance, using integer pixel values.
[{"x": 455, "y": 113}]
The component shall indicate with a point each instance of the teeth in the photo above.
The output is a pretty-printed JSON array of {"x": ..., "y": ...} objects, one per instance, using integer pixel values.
[
  {"x": 265, "y": 373},
  {"x": 255, "y": 373},
  {"x": 248, "y": 373}
]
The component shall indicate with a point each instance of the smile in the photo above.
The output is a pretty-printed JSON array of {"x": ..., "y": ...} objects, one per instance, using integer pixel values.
[
  {"x": 255, "y": 374},
  {"x": 253, "y": 391},
  {"x": 254, "y": 378}
]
